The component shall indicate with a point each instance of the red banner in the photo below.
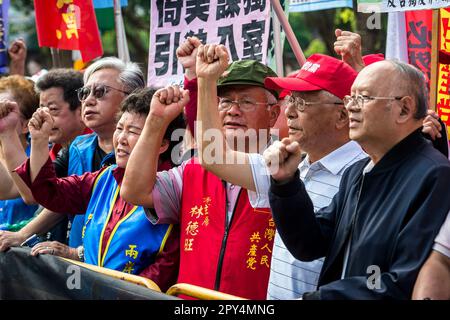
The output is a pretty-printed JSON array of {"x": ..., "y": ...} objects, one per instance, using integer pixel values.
[
  {"x": 418, "y": 28},
  {"x": 443, "y": 96},
  {"x": 69, "y": 25}
]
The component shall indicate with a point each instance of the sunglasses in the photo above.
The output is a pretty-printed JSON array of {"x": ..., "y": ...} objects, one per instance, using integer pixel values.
[{"x": 99, "y": 91}]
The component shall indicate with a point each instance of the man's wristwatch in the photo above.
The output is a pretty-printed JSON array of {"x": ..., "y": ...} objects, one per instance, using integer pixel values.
[{"x": 80, "y": 252}]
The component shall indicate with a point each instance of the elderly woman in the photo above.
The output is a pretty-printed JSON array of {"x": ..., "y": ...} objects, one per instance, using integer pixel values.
[
  {"x": 18, "y": 100},
  {"x": 116, "y": 234}
]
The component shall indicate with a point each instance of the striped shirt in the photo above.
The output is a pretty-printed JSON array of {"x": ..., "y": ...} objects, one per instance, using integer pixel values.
[{"x": 289, "y": 277}]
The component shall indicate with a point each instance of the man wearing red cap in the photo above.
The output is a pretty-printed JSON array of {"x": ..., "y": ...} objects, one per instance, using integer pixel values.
[
  {"x": 377, "y": 231},
  {"x": 318, "y": 121},
  {"x": 320, "y": 124}
]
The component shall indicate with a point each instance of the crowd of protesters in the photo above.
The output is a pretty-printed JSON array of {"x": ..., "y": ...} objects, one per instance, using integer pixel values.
[{"x": 326, "y": 184}]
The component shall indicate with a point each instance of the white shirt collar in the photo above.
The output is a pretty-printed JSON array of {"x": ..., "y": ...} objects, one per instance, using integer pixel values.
[
  {"x": 368, "y": 167},
  {"x": 339, "y": 158}
]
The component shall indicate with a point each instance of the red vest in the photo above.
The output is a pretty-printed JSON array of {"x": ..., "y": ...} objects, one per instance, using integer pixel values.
[{"x": 234, "y": 259}]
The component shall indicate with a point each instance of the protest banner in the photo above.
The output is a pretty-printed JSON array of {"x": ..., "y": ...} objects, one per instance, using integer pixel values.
[{"x": 243, "y": 27}]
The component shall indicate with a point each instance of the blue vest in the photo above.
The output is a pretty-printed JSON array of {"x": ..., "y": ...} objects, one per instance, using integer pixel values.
[
  {"x": 134, "y": 242},
  {"x": 81, "y": 158},
  {"x": 15, "y": 213}
]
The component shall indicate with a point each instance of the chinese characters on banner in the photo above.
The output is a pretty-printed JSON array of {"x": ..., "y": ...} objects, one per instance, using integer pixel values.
[
  {"x": 418, "y": 35},
  {"x": 69, "y": 25},
  {"x": 242, "y": 26},
  {"x": 314, "y": 5},
  {"x": 4, "y": 7},
  {"x": 400, "y": 5},
  {"x": 443, "y": 97}
]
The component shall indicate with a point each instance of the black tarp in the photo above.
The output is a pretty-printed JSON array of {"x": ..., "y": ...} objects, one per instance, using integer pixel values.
[{"x": 23, "y": 276}]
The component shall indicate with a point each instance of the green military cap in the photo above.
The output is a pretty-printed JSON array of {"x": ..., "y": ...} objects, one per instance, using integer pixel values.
[{"x": 247, "y": 72}]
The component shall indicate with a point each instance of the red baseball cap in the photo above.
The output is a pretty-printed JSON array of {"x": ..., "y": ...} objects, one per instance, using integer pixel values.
[
  {"x": 372, "y": 58},
  {"x": 320, "y": 72}
]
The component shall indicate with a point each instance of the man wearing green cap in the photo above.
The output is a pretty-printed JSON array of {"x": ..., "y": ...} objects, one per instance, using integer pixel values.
[
  {"x": 247, "y": 110},
  {"x": 226, "y": 245}
]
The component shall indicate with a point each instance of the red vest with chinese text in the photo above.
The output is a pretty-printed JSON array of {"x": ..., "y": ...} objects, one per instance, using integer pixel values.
[{"x": 234, "y": 259}]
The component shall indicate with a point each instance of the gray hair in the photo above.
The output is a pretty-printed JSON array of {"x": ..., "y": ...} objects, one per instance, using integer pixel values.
[
  {"x": 270, "y": 97},
  {"x": 415, "y": 85},
  {"x": 330, "y": 95},
  {"x": 130, "y": 74}
]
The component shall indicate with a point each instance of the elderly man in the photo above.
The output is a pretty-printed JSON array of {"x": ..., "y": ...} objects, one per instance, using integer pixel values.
[
  {"x": 218, "y": 226},
  {"x": 106, "y": 83},
  {"x": 319, "y": 123},
  {"x": 57, "y": 91},
  {"x": 382, "y": 207}
]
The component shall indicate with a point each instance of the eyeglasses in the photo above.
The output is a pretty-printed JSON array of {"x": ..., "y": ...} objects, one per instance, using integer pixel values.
[
  {"x": 244, "y": 105},
  {"x": 301, "y": 104},
  {"x": 99, "y": 91},
  {"x": 358, "y": 101}
]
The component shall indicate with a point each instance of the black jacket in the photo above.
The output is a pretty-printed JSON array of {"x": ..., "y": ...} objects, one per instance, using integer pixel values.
[{"x": 392, "y": 215}]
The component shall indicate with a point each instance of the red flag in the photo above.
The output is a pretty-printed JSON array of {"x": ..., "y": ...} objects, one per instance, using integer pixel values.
[
  {"x": 418, "y": 27},
  {"x": 69, "y": 25}
]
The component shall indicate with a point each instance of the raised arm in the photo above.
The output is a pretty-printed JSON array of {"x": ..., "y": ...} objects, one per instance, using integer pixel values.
[
  {"x": 214, "y": 153},
  {"x": 8, "y": 189},
  {"x": 13, "y": 154},
  {"x": 17, "y": 54},
  {"x": 306, "y": 236},
  {"x": 348, "y": 46},
  {"x": 187, "y": 54},
  {"x": 140, "y": 172},
  {"x": 40, "y": 126},
  {"x": 70, "y": 194}
]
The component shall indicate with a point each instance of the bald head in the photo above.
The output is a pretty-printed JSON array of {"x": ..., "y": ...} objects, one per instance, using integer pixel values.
[
  {"x": 395, "y": 78},
  {"x": 391, "y": 104},
  {"x": 381, "y": 76}
]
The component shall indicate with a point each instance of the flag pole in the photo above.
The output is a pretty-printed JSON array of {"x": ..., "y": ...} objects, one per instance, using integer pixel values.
[
  {"x": 278, "y": 47},
  {"x": 122, "y": 46},
  {"x": 56, "y": 61},
  {"x": 288, "y": 31},
  {"x": 435, "y": 37}
]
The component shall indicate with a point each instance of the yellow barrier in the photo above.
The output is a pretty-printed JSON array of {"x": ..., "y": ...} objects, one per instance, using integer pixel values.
[
  {"x": 118, "y": 275},
  {"x": 199, "y": 292}
]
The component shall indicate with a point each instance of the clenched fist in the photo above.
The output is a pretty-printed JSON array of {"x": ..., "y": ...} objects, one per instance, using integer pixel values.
[{"x": 282, "y": 158}]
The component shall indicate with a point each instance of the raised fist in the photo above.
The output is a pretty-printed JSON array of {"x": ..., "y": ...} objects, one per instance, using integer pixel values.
[
  {"x": 348, "y": 46},
  {"x": 17, "y": 50},
  {"x": 168, "y": 103},
  {"x": 212, "y": 61},
  {"x": 9, "y": 116},
  {"x": 187, "y": 55},
  {"x": 282, "y": 158},
  {"x": 41, "y": 124}
]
